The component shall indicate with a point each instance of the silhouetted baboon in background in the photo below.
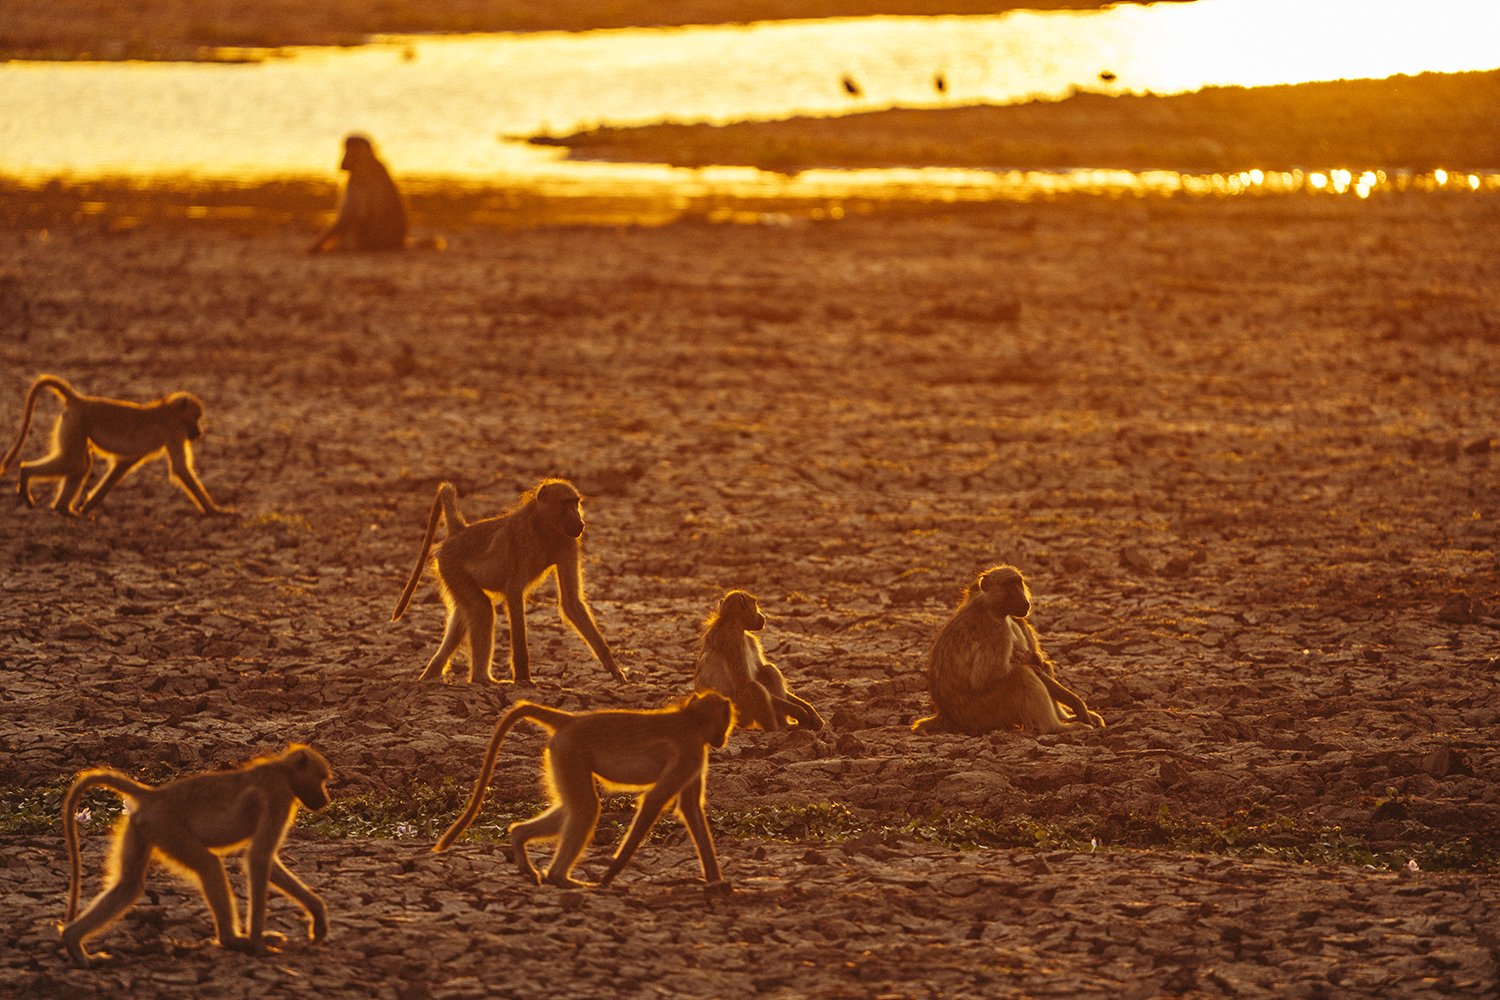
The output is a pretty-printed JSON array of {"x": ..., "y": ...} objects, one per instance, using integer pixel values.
[{"x": 371, "y": 214}]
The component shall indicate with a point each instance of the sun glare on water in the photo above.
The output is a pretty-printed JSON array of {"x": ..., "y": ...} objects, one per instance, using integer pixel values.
[
  {"x": 1253, "y": 43},
  {"x": 447, "y": 109}
]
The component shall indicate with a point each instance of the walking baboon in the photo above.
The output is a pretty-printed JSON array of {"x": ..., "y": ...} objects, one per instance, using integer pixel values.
[
  {"x": 190, "y": 824},
  {"x": 125, "y": 433},
  {"x": 506, "y": 556},
  {"x": 371, "y": 212},
  {"x": 987, "y": 671},
  {"x": 732, "y": 662},
  {"x": 661, "y": 753}
]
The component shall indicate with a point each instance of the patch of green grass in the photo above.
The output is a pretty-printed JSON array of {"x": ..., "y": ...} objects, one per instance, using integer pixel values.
[
  {"x": 824, "y": 821},
  {"x": 423, "y": 812},
  {"x": 30, "y": 812}
]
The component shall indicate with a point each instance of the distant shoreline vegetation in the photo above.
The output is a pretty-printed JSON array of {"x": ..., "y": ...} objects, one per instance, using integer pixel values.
[
  {"x": 1402, "y": 122},
  {"x": 193, "y": 29}
]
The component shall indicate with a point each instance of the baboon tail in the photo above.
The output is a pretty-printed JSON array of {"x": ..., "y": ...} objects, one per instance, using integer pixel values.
[
  {"x": 106, "y": 777},
  {"x": 541, "y": 715},
  {"x": 448, "y": 495},
  {"x": 439, "y": 504},
  {"x": 57, "y": 385}
]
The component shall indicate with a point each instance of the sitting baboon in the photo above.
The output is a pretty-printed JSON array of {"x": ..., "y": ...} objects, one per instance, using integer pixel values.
[
  {"x": 371, "y": 212},
  {"x": 732, "y": 662},
  {"x": 986, "y": 670}
]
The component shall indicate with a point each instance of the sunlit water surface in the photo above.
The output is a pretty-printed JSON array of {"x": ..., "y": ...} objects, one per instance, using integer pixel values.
[{"x": 454, "y": 108}]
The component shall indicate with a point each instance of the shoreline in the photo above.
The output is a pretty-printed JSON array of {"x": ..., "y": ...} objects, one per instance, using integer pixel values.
[
  {"x": 121, "y": 205},
  {"x": 1414, "y": 122},
  {"x": 191, "y": 30}
]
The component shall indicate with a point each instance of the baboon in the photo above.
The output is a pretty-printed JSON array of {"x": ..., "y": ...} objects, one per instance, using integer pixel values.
[
  {"x": 987, "y": 671},
  {"x": 371, "y": 212},
  {"x": 125, "y": 433},
  {"x": 506, "y": 556},
  {"x": 661, "y": 753},
  {"x": 190, "y": 824},
  {"x": 732, "y": 662}
]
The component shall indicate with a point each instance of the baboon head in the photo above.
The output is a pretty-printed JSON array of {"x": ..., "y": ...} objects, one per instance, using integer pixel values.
[
  {"x": 717, "y": 714},
  {"x": 1005, "y": 589},
  {"x": 358, "y": 152},
  {"x": 189, "y": 411},
  {"x": 740, "y": 610},
  {"x": 561, "y": 507},
  {"x": 308, "y": 772}
]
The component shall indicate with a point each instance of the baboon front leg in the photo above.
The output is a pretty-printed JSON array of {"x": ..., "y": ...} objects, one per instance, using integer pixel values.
[
  {"x": 690, "y": 809},
  {"x": 259, "y": 860},
  {"x": 577, "y": 612},
  {"x": 648, "y": 810},
  {"x": 294, "y": 888},
  {"x": 570, "y": 602},
  {"x": 180, "y": 462},
  {"x": 520, "y": 655}
]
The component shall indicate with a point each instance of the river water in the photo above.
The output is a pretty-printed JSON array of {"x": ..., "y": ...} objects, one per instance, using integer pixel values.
[{"x": 454, "y": 108}]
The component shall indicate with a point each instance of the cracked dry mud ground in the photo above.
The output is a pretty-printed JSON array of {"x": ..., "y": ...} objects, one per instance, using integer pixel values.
[{"x": 1241, "y": 448}]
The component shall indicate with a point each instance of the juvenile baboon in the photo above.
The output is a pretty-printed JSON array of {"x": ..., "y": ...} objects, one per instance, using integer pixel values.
[
  {"x": 190, "y": 824},
  {"x": 371, "y": 212},
  {"x": 506, "y": 556},
  {"x": 125, "y": 433},
  {"x": 661, "y": 753},
  {"x": 987, "y": 671},
  {"x": 732, "y": 662}
]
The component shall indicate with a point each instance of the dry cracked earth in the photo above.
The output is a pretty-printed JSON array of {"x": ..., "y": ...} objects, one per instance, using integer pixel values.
[{"x": 1244, "y": 451}]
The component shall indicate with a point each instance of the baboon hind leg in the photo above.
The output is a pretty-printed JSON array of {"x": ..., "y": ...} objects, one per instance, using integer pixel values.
[
  {"x": 131, "y": 861},
  {"x": 453, "y": 634}
]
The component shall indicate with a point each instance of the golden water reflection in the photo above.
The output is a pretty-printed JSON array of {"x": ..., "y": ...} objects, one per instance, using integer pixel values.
[
  {"x": 820, "y": 193},
  {"x": 449, "y": 109},
  {"x": 643, "y": 194}
]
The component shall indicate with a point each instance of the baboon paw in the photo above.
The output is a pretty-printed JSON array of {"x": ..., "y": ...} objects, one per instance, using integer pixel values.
[
  {"x": 567, "y": 882},
  {"x": 78, "y": 955}
]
